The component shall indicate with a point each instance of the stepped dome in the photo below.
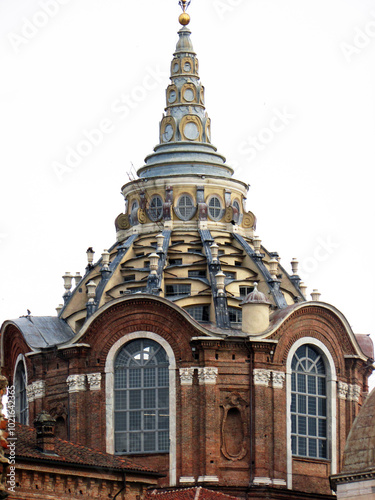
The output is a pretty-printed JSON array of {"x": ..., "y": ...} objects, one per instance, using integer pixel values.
[{"x": 186, "y": 233}]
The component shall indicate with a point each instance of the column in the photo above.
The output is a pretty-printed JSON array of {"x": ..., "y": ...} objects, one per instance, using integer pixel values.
[
  {"x": 186, "y": 441},
  {"x": 77, "y": 410}
]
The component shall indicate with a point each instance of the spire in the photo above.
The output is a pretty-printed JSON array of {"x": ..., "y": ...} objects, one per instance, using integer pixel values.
[{"x": 185, "y": 129}]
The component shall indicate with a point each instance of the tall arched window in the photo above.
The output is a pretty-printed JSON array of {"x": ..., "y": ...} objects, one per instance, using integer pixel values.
[
  {"x": 141, "y": 406},
  {"x": 20, "y": 382},
  {"x": 308, "y": 407}
]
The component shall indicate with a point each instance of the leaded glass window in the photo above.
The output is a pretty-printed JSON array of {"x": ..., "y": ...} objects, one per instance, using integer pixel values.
[
  {"x": 309, "y": 404},
  {"x": 20, "y": 394},
  {"x": 185, "y": 208},
  {"x": 141, "y": 398},
  {"x": 155, "y": 210},
  {"x": 235, "y": 315},
  {"x": 215, "y": 208},
  {"x": 200, "y": 313}
]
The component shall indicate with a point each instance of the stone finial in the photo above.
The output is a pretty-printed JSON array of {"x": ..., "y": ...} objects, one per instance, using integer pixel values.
[
  {"x": 77, "y": 278},
  {"x": 67, "y": 281},
  {"x": 154, "y": 262},
  {"x": 59, "y": 309},
  {"x": 214, "y": 251},
  {"x": 105, "y": 259},
  {"x": 303, "y": 288},
  {"x": 220, "y": 282},
  {"x": 159, "y": 242},
  {"x": 257, "y": 243},
  {"x": 315, "y": 295},
  {"x": 273, "y": 263},
  {"x": 294, "y": 265},
  {"x": 45, "y": 432}
]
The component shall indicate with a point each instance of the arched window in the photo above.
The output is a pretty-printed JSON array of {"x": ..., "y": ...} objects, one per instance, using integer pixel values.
[
  {"x": 141, "y": 406},
  {"x": 308, "y": 407},
  {"x": 20, "y": 382},
  {"x": 311, "y": 404}
]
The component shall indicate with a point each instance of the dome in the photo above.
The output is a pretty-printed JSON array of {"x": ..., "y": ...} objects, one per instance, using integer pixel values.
[
  {"x": 186, "y": 233},
  {"x": 359, "y": 453},
  {"x": 256, "y": 297}
]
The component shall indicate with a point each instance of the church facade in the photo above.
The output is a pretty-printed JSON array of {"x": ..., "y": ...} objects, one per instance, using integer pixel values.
[{"x": 187, "y": 346}]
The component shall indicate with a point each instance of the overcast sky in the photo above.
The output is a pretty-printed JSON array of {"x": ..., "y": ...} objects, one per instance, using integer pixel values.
[{"x": 290, "y": 91}]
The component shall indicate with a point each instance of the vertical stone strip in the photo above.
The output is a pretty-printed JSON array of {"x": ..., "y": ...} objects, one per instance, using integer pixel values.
[
  {"x": 95, "y": 416},
  {"x": 186, "y": 455},
  {"x": 78, "y": 413},
  {"x": 262, "y": 411},
  {"x": 279, "y": 429},
  {"x": 211, "y": 438}
]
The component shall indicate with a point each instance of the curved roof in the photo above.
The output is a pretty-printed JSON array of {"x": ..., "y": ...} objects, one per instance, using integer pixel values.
[{"x": 359, "y": 453}]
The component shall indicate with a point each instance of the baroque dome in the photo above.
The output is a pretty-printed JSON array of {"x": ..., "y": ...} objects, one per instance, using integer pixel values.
[{"x": 185, "y": 234}]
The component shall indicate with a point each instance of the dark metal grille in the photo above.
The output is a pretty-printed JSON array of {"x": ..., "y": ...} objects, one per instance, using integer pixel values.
[
  {"x": 309, "y": 404},
  {"x": 141, "y": 398}
]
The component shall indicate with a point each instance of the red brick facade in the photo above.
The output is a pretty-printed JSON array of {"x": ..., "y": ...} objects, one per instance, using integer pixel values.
[{"x": 231, "y": 394}]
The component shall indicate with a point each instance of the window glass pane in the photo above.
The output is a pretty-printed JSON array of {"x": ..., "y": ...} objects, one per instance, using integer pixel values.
[
  {"x": 294, "y": 424},
  {"x": 301, "y": 404},
  {"x": 163, "y": 440},
  {"x": 322, "y": 407},
  {"x": 149, "y": 377},
  {"x": 149, "y": 441},
  {"x": 302, "y": 446},
  {"x": 149, "y": 398},
  {"x": 163, "y": 419},
  {"x": 322, "y": 448},
  {"x": 120, "y": 400},
  {"x": 120, "y": 421},
  {"x": 322, "y": 427},
  {"x": 301, "y": 383},
  {"x": 293, "y": 381},
  {"x": 150, "y": 420},
  {"x": 313, "y": 448},
  {"x": 293, "y": 405},
  {"x": 302, "y": 425},
  {"x": 312, "y": 405},
  {"x": 321, "y": 386},
  {"x": 135, "y": 420},
  {"x": 134, "y": 400},
  {"x": 311, "y": 384},
  {"x": 294, "y": 445},
  {"x": 134, "y": 442},
  {"x": 312, "y": 426},
  {"x": 139, "y": 391},
  {"x": 135, "y": 378}
]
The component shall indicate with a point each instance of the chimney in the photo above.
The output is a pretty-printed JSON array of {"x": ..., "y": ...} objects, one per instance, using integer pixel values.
[{"x": 45, "y": 432}]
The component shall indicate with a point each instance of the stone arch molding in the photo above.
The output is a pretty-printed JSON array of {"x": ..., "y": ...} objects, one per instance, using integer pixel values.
[{"x": 109, "y": 394}]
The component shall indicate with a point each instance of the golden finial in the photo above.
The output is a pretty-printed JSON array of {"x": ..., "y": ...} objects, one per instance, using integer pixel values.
[{"x": 184, "y": 18}]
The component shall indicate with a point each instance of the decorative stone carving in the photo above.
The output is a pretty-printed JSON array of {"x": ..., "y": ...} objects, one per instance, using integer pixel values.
[
  {"x": 30, "y": 393},
  {"x": 261, "y": 377},
  {"x": 233, "y": 427},
  {"x": 342, "y": 390},
  {"x": 39, "y": 389},
  {"x": 278, "y": 380},
  {"x": 94, "y": 380},
  {"x": 354, "y": 392},
  {"x": 76, "y": 383},
  {"x": 122, "y": 222},
  {"x": 186, "y": 376},
  {"x": 207, "y": 375}
]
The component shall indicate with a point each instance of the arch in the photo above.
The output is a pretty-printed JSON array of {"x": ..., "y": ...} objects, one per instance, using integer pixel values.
[
  {"x": 20, "y": 385},
  {"x": 331, "y": 381},
  {"x": 109, "y": 393}
]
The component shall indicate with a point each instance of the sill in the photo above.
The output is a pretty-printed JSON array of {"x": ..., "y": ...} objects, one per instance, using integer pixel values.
[{"x": 312, "y": 460}]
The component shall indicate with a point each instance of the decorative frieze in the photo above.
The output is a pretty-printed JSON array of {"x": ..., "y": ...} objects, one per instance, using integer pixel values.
[
  {"x": 278, "y": 380},
  {"x": 187, "y": 479},
  {"x": 76, "y": 383},
  {"x": 94, "y": 380},
  {"x": 207, "y": 375},
  {"x": 30, "y": 393},
  {"x": 186, "y": 376},
  {"x": 208, "y": 479},
  {"x": 351, "y": 392},
  {"x": 261, "y": 377},
  {"x": 354, "y": 392},
  {"x": 36, "y": 390},
  {"x": 342, "y": 390}
]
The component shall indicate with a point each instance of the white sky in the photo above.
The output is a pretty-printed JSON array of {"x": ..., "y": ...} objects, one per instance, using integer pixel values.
[{"x": 66, "y": 72}]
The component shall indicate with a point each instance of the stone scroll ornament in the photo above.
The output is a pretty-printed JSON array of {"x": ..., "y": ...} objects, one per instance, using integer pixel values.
[
  {"x": 142, "y": 216},
  {"x": 249, "y": 220},
  {"x": 122, "y": 222},
  {"x": 233, "y": 427}
]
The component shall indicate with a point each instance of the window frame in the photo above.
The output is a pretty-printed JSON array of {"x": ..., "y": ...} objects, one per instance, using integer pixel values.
[
  {"x": 109, "y": 395},
  {"x": 156, "y": 216},
  {"x": 177, "y": 207},
  {"x": 331, "y": 382},
  {"x": 222, "y": 209},
  {"x": 24, "y": 411}
]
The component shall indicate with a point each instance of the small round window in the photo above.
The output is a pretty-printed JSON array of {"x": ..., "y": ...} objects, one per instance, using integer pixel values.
[
  {"x": 155, "y": 209},
  {"x": 185, "y": 207},
  {"x": 215, "y": 208}
]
